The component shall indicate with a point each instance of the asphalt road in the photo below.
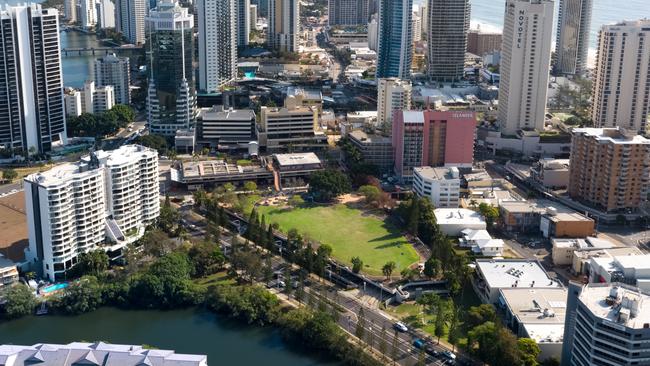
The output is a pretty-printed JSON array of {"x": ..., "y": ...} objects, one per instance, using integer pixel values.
[{"x": 375, "y": 320}]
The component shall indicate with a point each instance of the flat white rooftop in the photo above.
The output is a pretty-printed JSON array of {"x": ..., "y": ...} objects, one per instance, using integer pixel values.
[
  {"x": 297, "y": 159},
  {"x": 612, "y": 135},
  {"x": 507, "y": 273},
  {"x": 450, "y": 216},
  {"x": 629, "y": 307}
]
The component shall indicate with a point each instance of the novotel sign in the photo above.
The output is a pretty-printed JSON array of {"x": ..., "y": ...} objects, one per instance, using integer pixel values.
[{"x": 521, "y": 19}]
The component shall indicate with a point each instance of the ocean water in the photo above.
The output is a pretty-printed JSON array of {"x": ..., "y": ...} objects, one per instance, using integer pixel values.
[{"x": 489, "y": 13}]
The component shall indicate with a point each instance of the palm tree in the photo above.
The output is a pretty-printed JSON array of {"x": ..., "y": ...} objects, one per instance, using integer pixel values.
[
  {"x": 473, "y": 203},
  {"x": 388, "y": 269}
]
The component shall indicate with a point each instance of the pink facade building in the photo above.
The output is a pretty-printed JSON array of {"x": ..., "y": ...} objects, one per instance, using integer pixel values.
[{"x": 432, "y": 138}]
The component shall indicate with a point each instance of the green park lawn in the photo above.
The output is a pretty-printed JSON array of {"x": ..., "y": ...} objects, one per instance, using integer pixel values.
[{"x": 349, "y": 232}]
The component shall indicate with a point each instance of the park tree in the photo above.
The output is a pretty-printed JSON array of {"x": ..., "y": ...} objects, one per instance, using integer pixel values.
[
  {"x": 432, "y": 267},
  {"x": 325, "y": 185},
  {"x": 477, "y": 315},
  {"x": 20, "y": 301},
  {"x": 157, "y": 142},
  {"x": 9, "y": 174},
  {"x": 357, "y": 264},
  {"x": 371, "y": 193},
  {"x": 388, "y": 269},
  {"x": 528, "y": 351},
  {"x": 296, "y": 200},
  {"x": 169, "y": 216},
  {"x": 207, "y": 258},
  {"x": 250, "y": 186},
  {"x": 493, "y": 344}
]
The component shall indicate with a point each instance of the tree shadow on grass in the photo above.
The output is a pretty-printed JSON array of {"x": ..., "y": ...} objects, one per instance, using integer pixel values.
[{"x": 391, "y": 244}]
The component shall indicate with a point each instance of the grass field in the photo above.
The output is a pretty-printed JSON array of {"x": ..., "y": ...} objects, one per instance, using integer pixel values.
[{"x": 349, "y": 232}]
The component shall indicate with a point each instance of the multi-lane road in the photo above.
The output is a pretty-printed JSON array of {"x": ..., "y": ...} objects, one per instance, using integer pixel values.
[{"x": 379, "y": 329}]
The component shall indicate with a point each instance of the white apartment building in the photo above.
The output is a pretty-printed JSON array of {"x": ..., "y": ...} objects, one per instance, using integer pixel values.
[
  {"x": 115, "y": 71},
  {"x": 231, "y": 127},
  {"x": 104, "y": 201},
  {"x": 417, "y": 27},
  {"x": 218, "y": 34},
  {"x": 621, "y": 93},
  {"x": 97, "y": 99},
  {"x": 105, "y": 10},
  {"x": 253, "y": 16},
  {"x": 393, "y": 94},
  {"x": 373, "y": 34},
  {"x": 129, "y": 19},
  {"x": 295, "y": 125},
  {"x": 608, "y": 325},
  {"x": 87, "y": 13},
  {"x": 440, "y": 185},
  {"x": 572, "y": 43},
  {"x": 73, "y": 104},
  {"x": 525, "y": 64},
  {"x": 70, "y": 10}
]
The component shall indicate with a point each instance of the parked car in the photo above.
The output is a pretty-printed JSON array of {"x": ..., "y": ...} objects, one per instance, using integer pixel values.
[{"x": 401, "y": 327}]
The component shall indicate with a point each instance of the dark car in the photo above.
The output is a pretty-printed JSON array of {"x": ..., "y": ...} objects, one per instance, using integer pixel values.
[
  {"x": 419, "y": 343},
  {"x": 431, "y": 351}
]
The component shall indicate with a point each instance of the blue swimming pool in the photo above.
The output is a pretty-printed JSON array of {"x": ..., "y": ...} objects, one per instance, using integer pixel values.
[{"x": 55, "y": 287}]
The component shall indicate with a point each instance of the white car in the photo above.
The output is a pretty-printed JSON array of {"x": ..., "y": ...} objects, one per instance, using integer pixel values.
[{"x": 401, "y": 327}]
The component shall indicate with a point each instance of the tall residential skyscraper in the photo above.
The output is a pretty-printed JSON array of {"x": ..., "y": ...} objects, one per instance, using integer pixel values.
[
  {"x": 105, "y": 10},
  {"x": 525, "y": 64},
  {"x": 347, "y": 12},
  {"x": 115, "y": 71},
  {"x": 417, "y": 27},
  {"x": 217, "y": 44},
  {"x": 447, "y": 38},
  {"x": 70, "y": 10},
  {"x": 393, "y": 94},
  {"x": 171, "y": 99},
  {"x": 31, "y": 83},
  {"x": 284, "y": 25},
  {"x": 606, "y": 324},
  {"x": 395, "y": 39},
  {"x": 243, "y": 21},
  {"x": 572, "y": 44},
  {"x": 621, "y": 94},
  {"x": 129, "y": 19},
  {"x": 75, "y": 208},
  {"x": 609, "y": 168},
  {"x": 253, "y": 17},
  {"x": 87, "y": 13}
]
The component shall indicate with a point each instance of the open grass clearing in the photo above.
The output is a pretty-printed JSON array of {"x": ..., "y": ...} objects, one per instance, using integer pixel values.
[{"x": 350, "y": 232}]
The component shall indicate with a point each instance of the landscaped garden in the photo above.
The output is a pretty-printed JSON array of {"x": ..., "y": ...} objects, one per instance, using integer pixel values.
[{"x": 349, "y": 231}]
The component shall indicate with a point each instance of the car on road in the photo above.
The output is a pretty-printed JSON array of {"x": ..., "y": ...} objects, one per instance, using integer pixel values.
[
  {"x": 449, "y": 355},
  {"x": 419, "y": 343},
  {"x": 401, "y": 327},
  {"x": 276, "y": 284},
  {"x": 431, "y": 351}
]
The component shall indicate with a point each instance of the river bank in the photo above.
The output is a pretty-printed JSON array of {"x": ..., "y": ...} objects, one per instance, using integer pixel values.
[{"x": 191, "y": 330}]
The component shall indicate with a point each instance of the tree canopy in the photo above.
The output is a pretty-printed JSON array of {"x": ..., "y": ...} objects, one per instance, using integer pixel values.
[{"x": 327, "y": 184}]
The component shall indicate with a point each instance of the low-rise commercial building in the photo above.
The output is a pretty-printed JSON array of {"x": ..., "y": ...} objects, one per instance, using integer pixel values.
[
  {"x": 565, "y": 224},
  {"x": 225, "y": 129},
  {"x": 493, "y": 275},
  {"x": 375, "y": 149},
  {"x": 440, "y": 185},
  {"x": 98, "y": 353},
  {"x": 294, "y": 125},
  {"x": 452, "y": 221},
  {"x": 551, "y": 173},
  {"x": 538, "y": 314},
  {"x": 582, "y": 258},
  {"x": 8, "y": 272},
  {"x": 104, "y": 201},
  {"x": 607, "y": 324},
  {"x": 563, "y": 249},
  {"x": 481, "y": 243},
  {"x": 630, "y": 269}
]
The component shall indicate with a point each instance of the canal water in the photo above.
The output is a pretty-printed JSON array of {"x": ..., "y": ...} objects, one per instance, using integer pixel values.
[{"x": 225, "y": 341}]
